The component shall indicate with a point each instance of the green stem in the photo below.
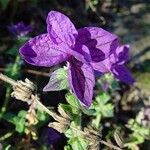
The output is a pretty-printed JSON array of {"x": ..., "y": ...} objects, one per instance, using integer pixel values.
[
  {"x": 8, "y": 89},
  {"x": 6, "y": 101},
  {"x": 97, "y": 120},
  {"x": 15, "y": 66}
]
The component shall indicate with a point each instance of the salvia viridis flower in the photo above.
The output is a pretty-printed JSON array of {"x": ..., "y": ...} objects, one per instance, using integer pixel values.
[
  {"x": 20, "y": 29},
  {"x": 85, "y": 50}
]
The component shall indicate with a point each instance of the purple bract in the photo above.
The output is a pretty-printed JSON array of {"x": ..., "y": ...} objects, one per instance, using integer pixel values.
[{"x": 86, "y": 50}]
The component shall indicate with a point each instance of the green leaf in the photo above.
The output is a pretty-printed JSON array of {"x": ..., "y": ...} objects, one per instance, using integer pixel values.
[
  {"x": 73, "y": 113},
  {"x": 69, "y": 133},
  {"x": 20, "y": 125},
  {"x": 107, "y": 110},
  {"x": 19, "y": 121},
  {"x": 72, "y": 100},
  {"x": 67, "y": 147},
  {"x": 58, "y": 80},
  {"x": 102, "y": 108},
  {"x": 88, "y": 111},
  {"x": 67, "y": 108},
  {"x": 22, "y": 114},
  {"x": 41, "y": 115},
  {"x": 103, "y": 98},
  {"x": 78, "y": 143}
]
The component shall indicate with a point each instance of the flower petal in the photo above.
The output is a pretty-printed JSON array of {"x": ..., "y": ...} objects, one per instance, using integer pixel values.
[
  {"x": 122, "y": 73},
  {"x": 122, "y": 53},
  {"x": 100, "y": 42},
  {"x": 42, "y": 51},
  {"x": 82, "y": 81},
  {"x": 103, "y": 66},
  {"x": 61, "y": 28}
]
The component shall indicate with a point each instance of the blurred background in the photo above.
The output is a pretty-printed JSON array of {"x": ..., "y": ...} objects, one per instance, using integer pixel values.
[{"x": 21, "y": 19}]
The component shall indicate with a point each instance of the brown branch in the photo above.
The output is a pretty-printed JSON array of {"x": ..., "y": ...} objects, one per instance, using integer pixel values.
[
  {"x": 39, "y": 73},
  {"x": 8, "y": 80},
  {"x": 35, "y": 72}
]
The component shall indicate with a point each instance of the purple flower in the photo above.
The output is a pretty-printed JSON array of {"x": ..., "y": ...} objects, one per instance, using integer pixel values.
[
  {"x": 85, "y": 49},
  {"x": 19, "y": 29}
]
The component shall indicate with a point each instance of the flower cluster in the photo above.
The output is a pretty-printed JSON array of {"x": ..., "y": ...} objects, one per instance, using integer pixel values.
[{"x": 86, "y": 50}]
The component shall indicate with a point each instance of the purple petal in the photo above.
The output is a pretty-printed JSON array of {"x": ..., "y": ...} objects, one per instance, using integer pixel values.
[
  {"x": 122, "y": 53},
  {"x": 82, "y": 81},
  {"x": 103, "y": 66},
  {"x": 61, "y": 28},
  {"x": 122, "y": 73},
  {"x": 42, "y": 51},
  {"x": 100, "y": 42}
]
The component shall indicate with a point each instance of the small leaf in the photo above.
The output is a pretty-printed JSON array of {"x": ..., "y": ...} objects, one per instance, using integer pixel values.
[
  {"x": 103, "y": 98},
  {"x": 89, "y": 111},
  {"x": 78, "y": 143},
  {"x": 41, "y": 116},
  {"x": 22, "y": 114},
  {"x": 58, "y": 81},
  {"x": 72, "y": 100},
  {"x": 107, "y": 110},
  {"x": 20, "y": 125}
]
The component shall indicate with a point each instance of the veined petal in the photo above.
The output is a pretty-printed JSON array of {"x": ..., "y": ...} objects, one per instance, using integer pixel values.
[
  {"x": 42, "y": 51},
  {"x": 82, "y": 81},
  {"x": 61, "y": 28},
  {"x": 122, "y": 73},
  {"x": 101, "y": 43}
]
